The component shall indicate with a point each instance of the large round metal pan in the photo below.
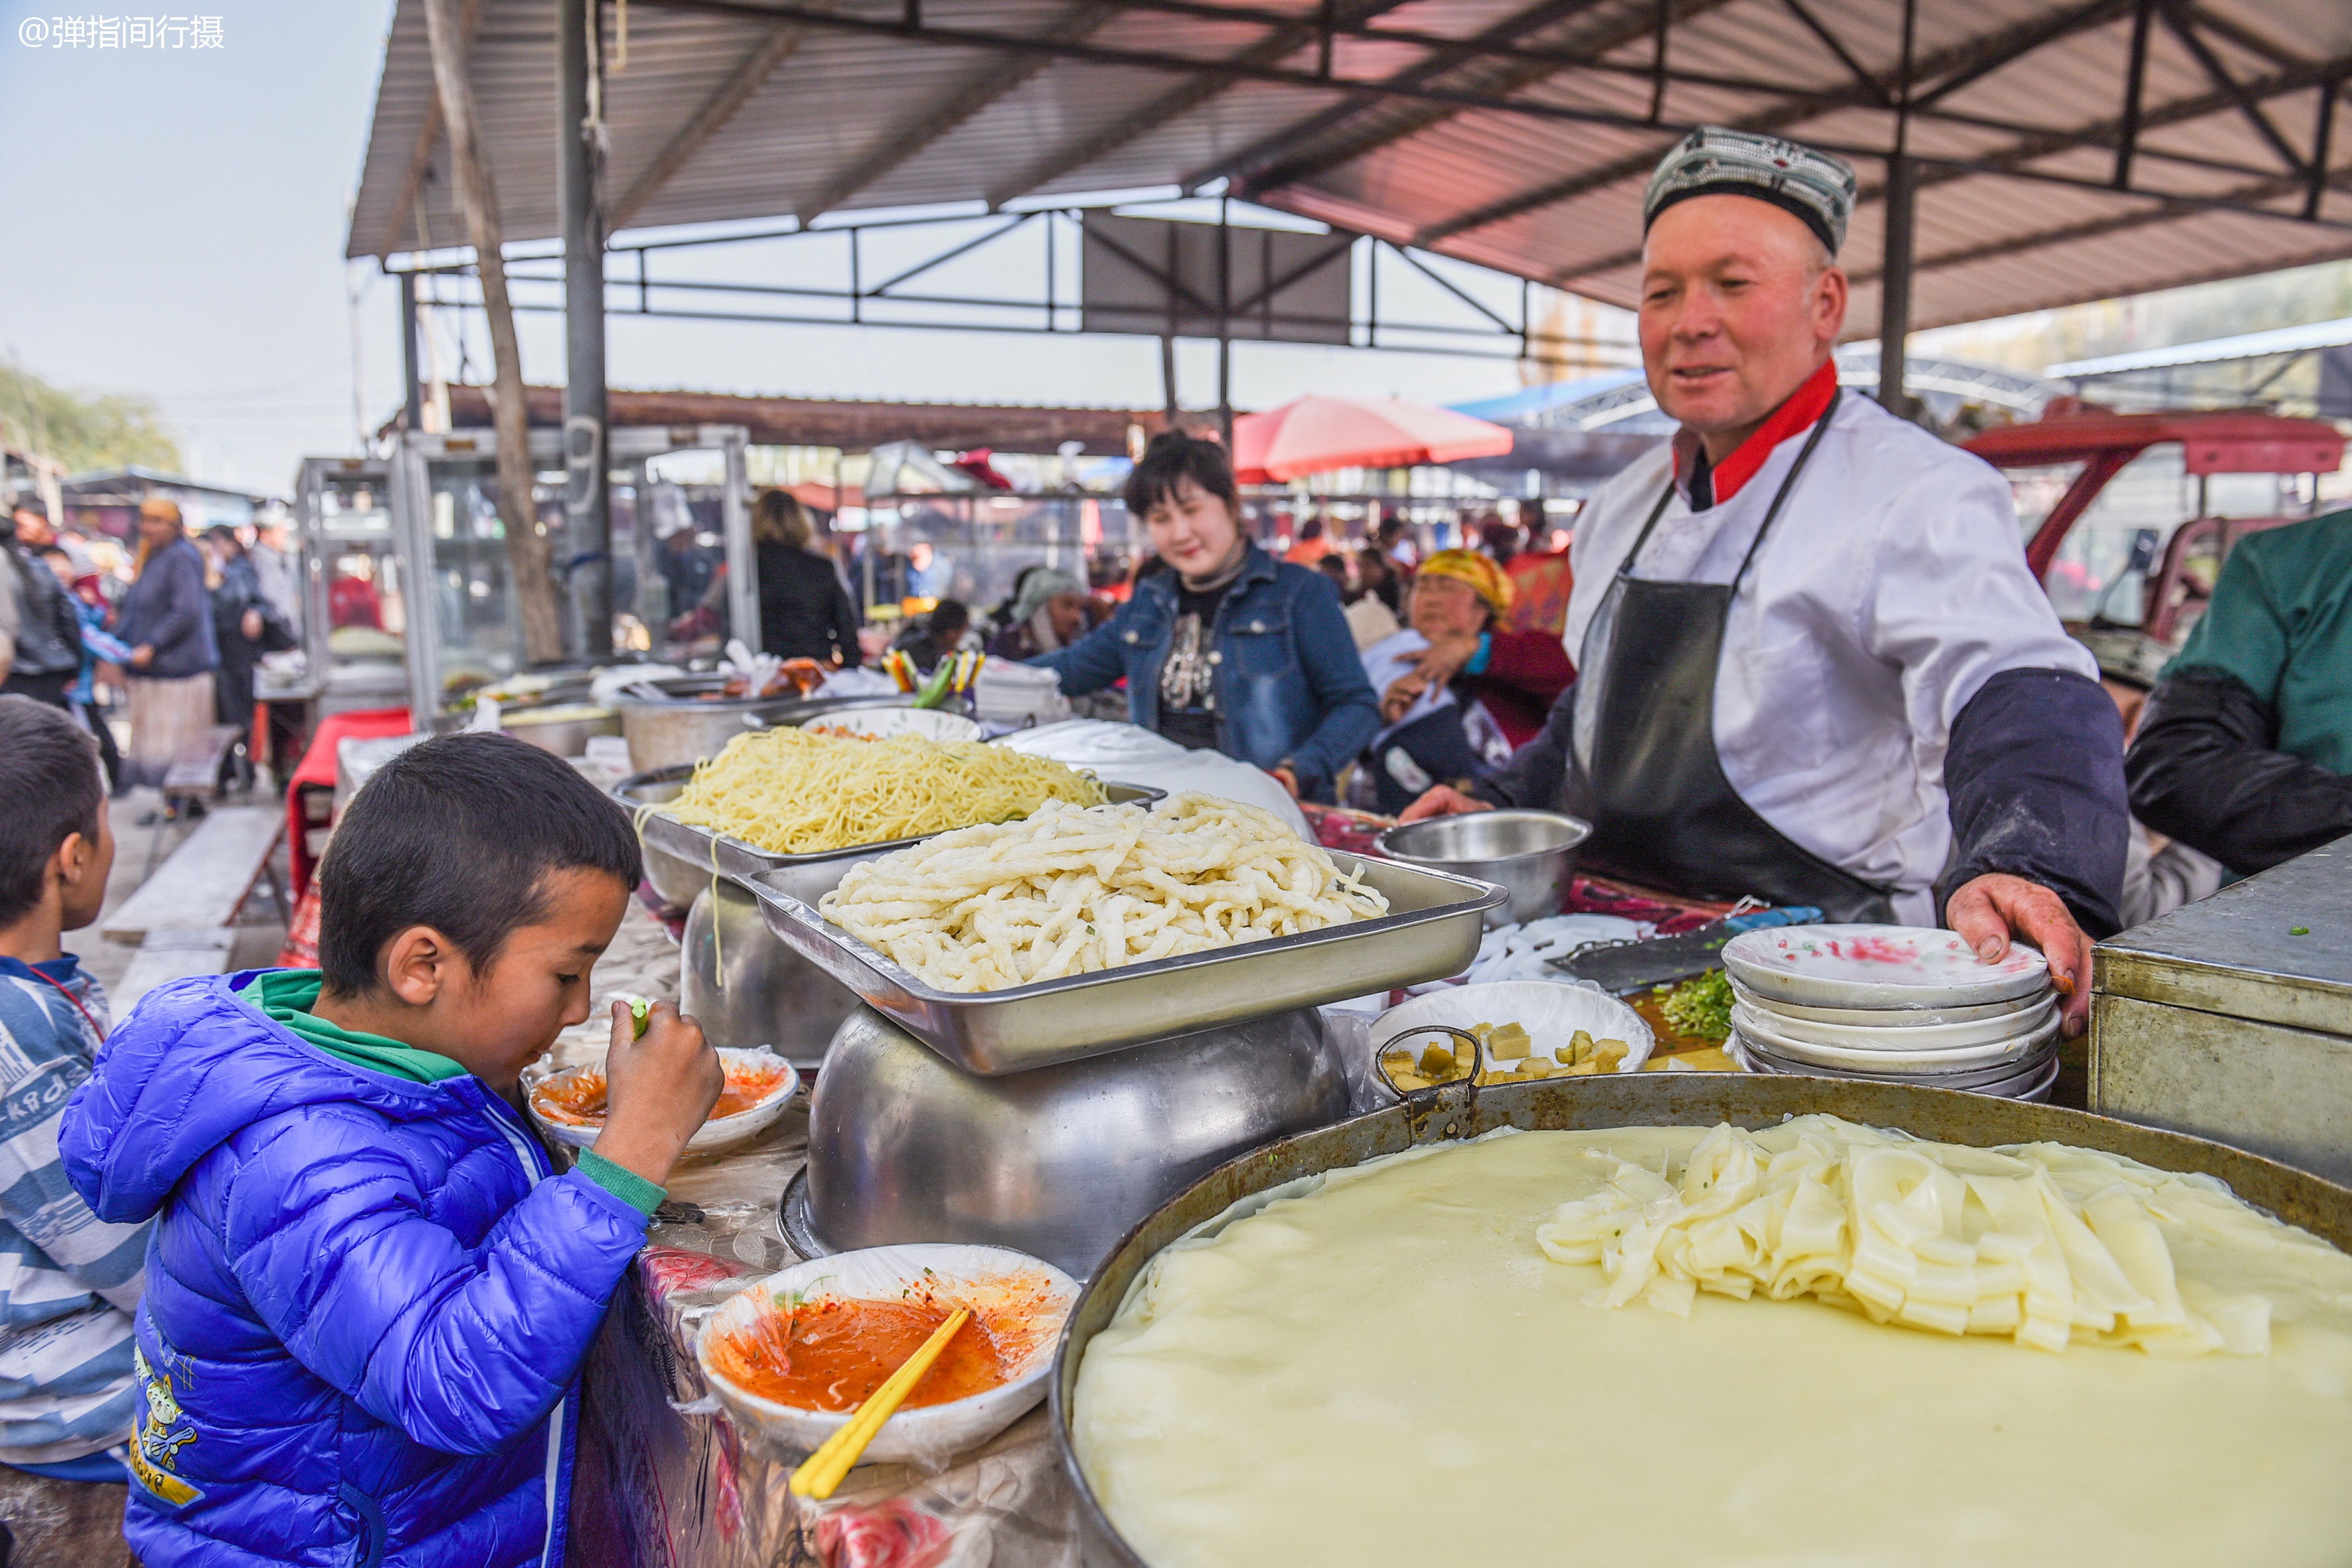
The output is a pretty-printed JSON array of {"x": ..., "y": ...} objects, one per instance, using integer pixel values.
[{"x": 1642, "y": 1099}]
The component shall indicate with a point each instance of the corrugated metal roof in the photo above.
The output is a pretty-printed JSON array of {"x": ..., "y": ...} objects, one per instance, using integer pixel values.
[{"x": 735, "y": 110}]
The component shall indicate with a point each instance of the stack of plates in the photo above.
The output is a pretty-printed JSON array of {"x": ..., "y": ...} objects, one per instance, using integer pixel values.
[{"x": 1892, "y": 1005}]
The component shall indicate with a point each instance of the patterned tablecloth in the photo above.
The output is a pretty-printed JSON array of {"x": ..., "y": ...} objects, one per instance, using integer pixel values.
[{"x": 659, "y": 1486}]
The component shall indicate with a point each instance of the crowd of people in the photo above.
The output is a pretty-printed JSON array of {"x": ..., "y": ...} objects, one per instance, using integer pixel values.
[{"x": 174, "y": 626}]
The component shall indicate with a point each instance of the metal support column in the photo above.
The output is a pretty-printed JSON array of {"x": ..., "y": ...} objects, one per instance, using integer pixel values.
[
  {"x": 587, "y": 510},
  {"x": 1224, "y": 325},
  {"x": 1895, "y": 284},
  {"x": 414, "y": 400}
]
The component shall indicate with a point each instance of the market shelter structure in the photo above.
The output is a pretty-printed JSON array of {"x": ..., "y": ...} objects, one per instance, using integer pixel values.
[{"x": 2016, "y": 153}]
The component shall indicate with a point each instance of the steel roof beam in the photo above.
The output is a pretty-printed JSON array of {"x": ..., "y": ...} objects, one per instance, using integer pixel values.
[
  {"x": 1442, "y": 58},
  {"x": 984, "y": 87},
  {"x": 1278, "y": 42},
  {"x": 1830, "y": 41},
  {"x": 1957, "y": 64},
  {"x": 717, "y": 110},
  {"x": 2329, "y": 75},
  {"x": 1515, "y": 75},
  {"x": 2212, "y": 67}
]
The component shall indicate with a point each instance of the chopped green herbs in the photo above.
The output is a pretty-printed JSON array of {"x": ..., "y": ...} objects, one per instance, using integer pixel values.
[{"x": 1699, "y": 1008}]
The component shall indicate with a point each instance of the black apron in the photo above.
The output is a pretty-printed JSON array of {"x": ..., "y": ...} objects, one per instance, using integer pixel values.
[{"x": 1654, "y": 789}]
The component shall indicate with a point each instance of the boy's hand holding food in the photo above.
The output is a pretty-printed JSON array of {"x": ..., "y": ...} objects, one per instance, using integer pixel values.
[{"x": 658, "y": 1087}]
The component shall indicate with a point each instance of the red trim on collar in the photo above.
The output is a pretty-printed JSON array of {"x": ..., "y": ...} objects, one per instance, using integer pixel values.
[{"x": 1794, "y": 417}]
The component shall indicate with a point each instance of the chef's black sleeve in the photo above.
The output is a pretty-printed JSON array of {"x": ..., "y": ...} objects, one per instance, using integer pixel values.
[
  {"x": 1533, "y": 776},
  {"x": 2206, "y": 768},
  {"x": 2034, "y": 773}
]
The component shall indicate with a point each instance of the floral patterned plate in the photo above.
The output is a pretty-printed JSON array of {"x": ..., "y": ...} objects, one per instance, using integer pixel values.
[{"x": 1876, "y": 966}]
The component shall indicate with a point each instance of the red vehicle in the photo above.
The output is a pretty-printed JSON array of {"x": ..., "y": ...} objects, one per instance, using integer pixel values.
[{"x": 2174, "y": 561}]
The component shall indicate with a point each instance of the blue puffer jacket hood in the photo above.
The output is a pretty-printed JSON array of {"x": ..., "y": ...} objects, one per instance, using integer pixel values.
[{"x": 367, "y": 1299}]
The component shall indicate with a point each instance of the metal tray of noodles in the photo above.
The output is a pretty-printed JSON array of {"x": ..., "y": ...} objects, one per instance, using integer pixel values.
[
  {"x": 681, "y": 858},
  {"x": 1431, "y": 931},
  {"x": 1460, "y": 1110}
]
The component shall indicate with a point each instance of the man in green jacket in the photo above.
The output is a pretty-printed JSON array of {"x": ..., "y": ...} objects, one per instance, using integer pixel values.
[{"x": 2244, "y": 751}]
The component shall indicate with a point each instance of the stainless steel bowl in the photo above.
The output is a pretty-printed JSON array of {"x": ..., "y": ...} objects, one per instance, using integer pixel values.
[
  {"x": 1061, "y": 1162},
  {"x": 746, "y": 988},
  {"x": 686, "y": 719},
  {"x": 1529, "y": 854},
  {"x": 1636, "y": 1099}
]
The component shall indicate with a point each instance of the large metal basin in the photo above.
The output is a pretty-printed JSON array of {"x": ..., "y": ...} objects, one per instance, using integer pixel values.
[
  {"x": 746, "y": 988},
  {"x": 1059, "y": 1162},
  {"x": 1639, "y": 1100},
  {"x": 683, "y": 720}
]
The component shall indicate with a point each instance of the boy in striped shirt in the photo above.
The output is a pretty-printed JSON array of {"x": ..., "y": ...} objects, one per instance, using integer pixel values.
[{"x": 69, "y": 1281}]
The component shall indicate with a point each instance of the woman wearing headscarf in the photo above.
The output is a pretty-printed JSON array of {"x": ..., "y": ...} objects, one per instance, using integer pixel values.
[
  {"x": 1460, "y": 691},
  {"x": 1046, "y": 616},
  {"x": 804, "y": 611},
  {"x": 166, "y": 619},
  {"x": 1229, "y": 648}
]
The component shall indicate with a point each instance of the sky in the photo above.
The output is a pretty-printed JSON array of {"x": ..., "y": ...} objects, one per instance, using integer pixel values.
[{"x": 176, "y": 226}]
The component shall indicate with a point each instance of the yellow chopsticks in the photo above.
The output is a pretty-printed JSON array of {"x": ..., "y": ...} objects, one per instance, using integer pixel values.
[{"x": 830, "y": 1465}]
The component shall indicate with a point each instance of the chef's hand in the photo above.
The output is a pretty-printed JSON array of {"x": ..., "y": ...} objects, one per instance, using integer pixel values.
[
  {"x": 1443, "y": 801},
  {"x": 659, "y": 1088},
  {"x": 1986, "y": 909},
  {"x": 1401, "y": 694},
  {"x": 1286, "y": 779}
]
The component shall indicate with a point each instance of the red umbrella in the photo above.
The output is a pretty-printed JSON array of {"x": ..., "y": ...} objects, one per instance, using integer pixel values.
[{"x": 1316, "y": 435}]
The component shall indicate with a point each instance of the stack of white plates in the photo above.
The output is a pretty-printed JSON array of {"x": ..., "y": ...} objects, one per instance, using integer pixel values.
[{"x": 1892, "y": 1005}]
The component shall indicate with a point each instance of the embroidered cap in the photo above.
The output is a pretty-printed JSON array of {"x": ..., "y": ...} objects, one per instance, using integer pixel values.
[{"x": 1716, "y": 161}]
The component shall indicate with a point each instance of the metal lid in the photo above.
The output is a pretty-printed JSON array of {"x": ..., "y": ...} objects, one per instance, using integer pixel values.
[{"x": 2276, "y": 947}]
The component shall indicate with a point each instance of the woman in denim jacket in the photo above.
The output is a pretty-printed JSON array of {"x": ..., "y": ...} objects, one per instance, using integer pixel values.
[{"x": 1229, "y": 648}]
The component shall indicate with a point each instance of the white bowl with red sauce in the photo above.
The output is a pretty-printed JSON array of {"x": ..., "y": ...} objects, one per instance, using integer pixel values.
[
  {"x": 792, "y": 1357},
  {"x": 569, "y": 1106}
]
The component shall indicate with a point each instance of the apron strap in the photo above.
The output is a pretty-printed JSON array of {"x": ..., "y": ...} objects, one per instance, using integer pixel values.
[{"x": 1780, "y": 499}]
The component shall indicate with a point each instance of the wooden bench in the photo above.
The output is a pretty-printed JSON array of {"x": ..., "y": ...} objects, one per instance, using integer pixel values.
[
  {"x": 207, "y": 878},
  {"x": 195, "y": 773},
  {"x": 169, "y": 953}
]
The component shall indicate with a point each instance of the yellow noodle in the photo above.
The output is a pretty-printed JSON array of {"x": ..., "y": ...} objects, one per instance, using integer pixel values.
[{"x": 792, "y": 793}]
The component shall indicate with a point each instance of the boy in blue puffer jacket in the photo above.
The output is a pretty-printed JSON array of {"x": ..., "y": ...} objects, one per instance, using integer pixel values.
[{"x": 368, "y": 1297}]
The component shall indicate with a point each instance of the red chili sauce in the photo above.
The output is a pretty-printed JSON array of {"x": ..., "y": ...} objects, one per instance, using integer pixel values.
[
  {"x": 833, "y": 1355},
  {"x": 578, "y": 1100}
]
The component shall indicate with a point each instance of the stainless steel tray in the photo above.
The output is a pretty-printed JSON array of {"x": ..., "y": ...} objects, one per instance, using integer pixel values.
[
  {"x": 693, "y": 854},
  {"x": 1432, "y": 930}
]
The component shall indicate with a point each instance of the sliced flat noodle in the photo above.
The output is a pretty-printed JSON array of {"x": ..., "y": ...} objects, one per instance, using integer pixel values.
[
  {"x": 1070, "y": 891},
  {"x": 2045, "y": 1245}
]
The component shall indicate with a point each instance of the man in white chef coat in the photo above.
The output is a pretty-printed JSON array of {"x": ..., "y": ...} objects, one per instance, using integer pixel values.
[{"x": 1813, "y": 665}]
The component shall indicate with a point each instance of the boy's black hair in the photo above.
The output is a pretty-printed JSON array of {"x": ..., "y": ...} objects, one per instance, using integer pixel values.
[
  {"x": 1173, "y": 457},
  {"x": 950, "y": 615},
  {"x": 459, "y": 834},
  {"x": 50, "y": 780}
]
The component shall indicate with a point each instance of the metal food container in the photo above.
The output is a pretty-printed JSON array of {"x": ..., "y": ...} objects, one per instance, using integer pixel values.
[
  {"x": 746, "y": 988},
  {"x": 1059, "y": 1162},
  {"x": 681, "y": 858},
  {"x": 1529, "y": 854},
  {"x": 688, "y": 718},
  {"x": 1639, "y": 1100},
  {"x": 2231, "y": 1018},
  {"x": 1431, "y": 931}
]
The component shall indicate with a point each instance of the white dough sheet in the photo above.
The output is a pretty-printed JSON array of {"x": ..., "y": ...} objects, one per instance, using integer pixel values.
[{"x": 1384, "y": 1366}]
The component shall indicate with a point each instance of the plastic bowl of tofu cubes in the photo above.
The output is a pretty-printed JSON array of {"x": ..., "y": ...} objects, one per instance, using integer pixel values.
[{"x": 1517, "y": 1031}]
